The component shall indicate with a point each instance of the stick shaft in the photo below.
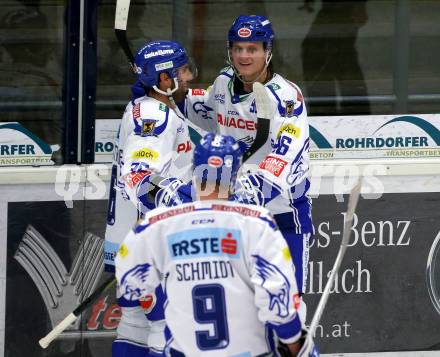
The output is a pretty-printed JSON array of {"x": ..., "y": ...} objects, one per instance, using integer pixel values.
[{"x": 352, "y": 203}]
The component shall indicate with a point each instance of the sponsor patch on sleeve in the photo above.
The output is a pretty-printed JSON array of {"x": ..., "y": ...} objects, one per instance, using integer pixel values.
[
  {"x": 145, "y": 153},
  {"x": 134, "y": 177},
  {"x": 289, "y": 129},
  {"x": 274, "y": 165},
  {"x": 197, "y": 91},
  {"x": 148, "y": 302}
]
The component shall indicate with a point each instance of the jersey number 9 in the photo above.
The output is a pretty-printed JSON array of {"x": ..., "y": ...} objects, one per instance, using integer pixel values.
[{"x": 210, "y": 308}]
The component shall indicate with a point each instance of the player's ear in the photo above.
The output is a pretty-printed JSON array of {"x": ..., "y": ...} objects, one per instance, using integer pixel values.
[{"x": 164, "y": 81}]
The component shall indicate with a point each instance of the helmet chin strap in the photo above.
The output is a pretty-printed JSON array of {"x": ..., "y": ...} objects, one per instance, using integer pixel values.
[
  {"x": 239, "y": 76},
  {"x": 169, "y": 92}
]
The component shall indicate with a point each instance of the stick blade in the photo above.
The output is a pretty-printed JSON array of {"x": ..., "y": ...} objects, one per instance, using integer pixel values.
[
  {"x": 121, "y": 14},
  {"x": 262, "y": 101}
]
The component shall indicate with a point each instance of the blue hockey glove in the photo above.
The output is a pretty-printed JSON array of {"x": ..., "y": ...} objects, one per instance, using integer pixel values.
[
  {"x": 308, "y": 348},
  {"x": 254, "y": 189}
]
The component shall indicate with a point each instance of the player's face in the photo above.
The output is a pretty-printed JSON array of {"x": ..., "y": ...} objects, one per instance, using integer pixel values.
[
  {"x": 184, "y": 76},
  {"x": 249, "y": 58}
]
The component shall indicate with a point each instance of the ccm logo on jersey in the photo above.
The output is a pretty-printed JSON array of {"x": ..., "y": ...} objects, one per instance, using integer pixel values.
[
  {"x": 274, "y": 165},
  {"x": 184, "y": 147},
  {"x": 239, "y": 123},
  {"x": 244, "y": 32}
]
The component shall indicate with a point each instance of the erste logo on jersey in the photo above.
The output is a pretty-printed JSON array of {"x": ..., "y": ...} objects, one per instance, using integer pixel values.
[
  {"x": 244, "y": 32},
  {"x": 205, "y": 242}
]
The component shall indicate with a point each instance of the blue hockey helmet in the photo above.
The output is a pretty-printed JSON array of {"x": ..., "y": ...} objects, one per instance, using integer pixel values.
[
  {"x": 251, "y": 28},
  {"x": 221, "y": 155},
  {"x": 159, "y": 57}
]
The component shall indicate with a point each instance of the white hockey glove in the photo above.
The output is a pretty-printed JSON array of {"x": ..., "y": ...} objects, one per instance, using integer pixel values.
[
  {"x": 173, "y": 192},
  {"x": 254, "y": 189}
]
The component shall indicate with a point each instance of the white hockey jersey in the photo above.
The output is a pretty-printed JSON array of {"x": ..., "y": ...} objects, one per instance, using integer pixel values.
[
  {"x": 284, "y": 158},
  {"x": 229, "y": 277},
  {"x": 152, "y": 139}
]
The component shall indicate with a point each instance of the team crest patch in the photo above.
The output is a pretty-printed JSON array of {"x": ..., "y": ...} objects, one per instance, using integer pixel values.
[
  {"x": 289, "y": 107},
  {"x": 148, "y": 127}
]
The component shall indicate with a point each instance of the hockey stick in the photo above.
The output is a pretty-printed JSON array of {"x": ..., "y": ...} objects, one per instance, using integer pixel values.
[
  {"x": 262, "y": 102},
  {"x": 71, "y": 318},
  {"x": 121, "y": 18},
  {"x": 352, "y": 203}
]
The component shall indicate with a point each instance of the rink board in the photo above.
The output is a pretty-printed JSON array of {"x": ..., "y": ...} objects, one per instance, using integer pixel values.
[{"x": 381, "y": 301}]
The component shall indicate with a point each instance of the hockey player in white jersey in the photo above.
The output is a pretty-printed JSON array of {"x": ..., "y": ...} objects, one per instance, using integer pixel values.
[
  {"x": 229, "y": 278},
  {"x": 153, "y": 142},
  {"x": 278, "y": 173}
]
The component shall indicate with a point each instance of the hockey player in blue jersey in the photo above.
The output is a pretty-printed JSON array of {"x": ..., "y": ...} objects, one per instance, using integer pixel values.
[
  {"x": 153, "y": 142},
  {"x": 229, "y": 280},
  {"x": 277, "y": 175}
]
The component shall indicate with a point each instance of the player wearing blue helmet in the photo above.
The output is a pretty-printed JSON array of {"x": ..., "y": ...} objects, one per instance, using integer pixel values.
[
  {"x": 277, "y": 174},
  {"x": 229, "y": 278},
  {"x": 216, "y": 162},
  {"x": 153, "y": 142},
  {"x": 250, "y": 43}
]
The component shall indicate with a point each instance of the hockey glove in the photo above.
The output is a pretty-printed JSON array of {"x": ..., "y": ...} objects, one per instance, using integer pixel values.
[
  {"x": 174, "y": 192},
  {"x": 254, "y": 189},
  {"x": 308, "y": 347}
]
